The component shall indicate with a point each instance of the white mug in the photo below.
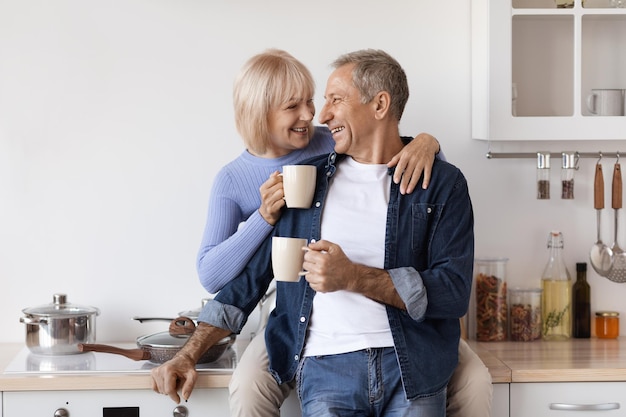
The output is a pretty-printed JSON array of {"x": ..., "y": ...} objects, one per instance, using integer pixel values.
[
  {"x": 287, "y": 258},
  {"x": 299, "y": 185},
  {"x": 606, "y": 102}
]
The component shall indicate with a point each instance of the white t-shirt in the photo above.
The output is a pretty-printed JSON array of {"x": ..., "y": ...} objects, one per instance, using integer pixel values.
[{"x": 354, "y": 217}]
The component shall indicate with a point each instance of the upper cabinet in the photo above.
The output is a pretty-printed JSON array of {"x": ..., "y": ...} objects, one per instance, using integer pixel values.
[{"x": 542, "y": 72}]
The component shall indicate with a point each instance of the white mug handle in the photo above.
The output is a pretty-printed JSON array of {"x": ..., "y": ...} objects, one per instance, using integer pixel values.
[{"x": 591, "y": 103}]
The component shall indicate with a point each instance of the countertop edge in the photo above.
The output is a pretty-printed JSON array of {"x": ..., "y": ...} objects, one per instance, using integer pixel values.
[{"x": 500, "y": 373}]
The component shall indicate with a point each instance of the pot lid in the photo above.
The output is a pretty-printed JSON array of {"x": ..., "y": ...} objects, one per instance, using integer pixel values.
[
  {"x": 60, "y": 308},
  {"x": 161, "y": 340},
  {"x": 164, "y": 340}
]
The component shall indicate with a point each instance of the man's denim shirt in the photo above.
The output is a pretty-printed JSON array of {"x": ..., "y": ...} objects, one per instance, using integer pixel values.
[{"x": 429, "y": 253}]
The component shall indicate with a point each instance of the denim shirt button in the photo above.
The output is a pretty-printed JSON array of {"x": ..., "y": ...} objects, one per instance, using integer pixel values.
[
  {"x": 317, "y": 204},
  {"x": 302, "y": 319},
  {"x": 429, "y": 210},
  {"x": 296, "y": 358}
]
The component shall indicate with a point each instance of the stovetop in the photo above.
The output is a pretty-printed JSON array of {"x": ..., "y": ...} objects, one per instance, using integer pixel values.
[{"x": 27, "y": 363}]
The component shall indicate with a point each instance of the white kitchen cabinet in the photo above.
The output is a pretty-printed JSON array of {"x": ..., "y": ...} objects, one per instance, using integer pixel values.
[
  {"x": 500, "y": 400},
  {"x": 568, "y": 399},
  {"x": 548, "y": 59}
]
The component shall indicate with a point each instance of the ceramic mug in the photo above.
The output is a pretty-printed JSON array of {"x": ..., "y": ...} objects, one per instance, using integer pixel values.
[
  {"x": 287, "y": 258},
  {"x": 606, "y": 102},
  {"x": 299, "y": 185}
]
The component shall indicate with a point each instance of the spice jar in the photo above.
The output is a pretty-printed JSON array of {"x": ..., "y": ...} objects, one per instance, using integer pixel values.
[
  {"x": 491, "y": 303},
  {"x": 524, "y": 314},
  {"x": 607, "y": 324},
  {"x": 569, "y": 165},
  {"x": 543, "y": 176}
]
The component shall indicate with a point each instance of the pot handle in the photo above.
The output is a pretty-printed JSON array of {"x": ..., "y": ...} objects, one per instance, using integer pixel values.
[
  {"x": 182, "y": 326},
  {"x": 30, "y": 320}
]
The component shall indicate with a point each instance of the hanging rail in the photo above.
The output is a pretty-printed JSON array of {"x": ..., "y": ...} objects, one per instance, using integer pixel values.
[{"x": 600, "y": 154}]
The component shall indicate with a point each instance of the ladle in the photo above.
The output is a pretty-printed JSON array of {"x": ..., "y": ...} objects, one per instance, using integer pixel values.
[
  {"x": 617, "y": 273},
  {"x": 600, "y": 254}
]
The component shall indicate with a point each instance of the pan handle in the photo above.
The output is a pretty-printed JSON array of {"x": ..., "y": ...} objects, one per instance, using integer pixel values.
[
  {"x": 134, "y": 354},
  {"x": 142, "y": 319}
]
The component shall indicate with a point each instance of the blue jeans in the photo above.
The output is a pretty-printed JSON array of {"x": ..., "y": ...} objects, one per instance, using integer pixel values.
[{"x": 362, "y": 383}]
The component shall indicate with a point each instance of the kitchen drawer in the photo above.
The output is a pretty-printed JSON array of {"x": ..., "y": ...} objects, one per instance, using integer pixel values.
[{"x": 563, "y": 399}]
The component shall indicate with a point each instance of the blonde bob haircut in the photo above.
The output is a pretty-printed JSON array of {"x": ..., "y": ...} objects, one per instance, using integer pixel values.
[{"x": 267, "y": 81}]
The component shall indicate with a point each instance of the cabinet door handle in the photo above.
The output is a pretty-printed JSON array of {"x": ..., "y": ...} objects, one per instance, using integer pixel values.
[{"x": 584, "y": 407}]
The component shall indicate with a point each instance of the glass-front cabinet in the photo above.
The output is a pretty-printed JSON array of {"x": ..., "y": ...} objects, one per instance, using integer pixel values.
[{"x": 548, "y": 69}]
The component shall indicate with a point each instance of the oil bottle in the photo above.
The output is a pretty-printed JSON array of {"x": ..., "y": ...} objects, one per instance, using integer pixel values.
[
  {"x": 556, "y": 285},
  {"x": 581, "y": 309}
]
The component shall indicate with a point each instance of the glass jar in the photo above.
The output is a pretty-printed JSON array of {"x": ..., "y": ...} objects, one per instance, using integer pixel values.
[
  {"x": 569, "y": 165},
  {"x": 607, "y": 324},
  {"x": 524, "y": 314},
  {"x": 491, "y": 307},
  {"x": 543, "y": 176}
]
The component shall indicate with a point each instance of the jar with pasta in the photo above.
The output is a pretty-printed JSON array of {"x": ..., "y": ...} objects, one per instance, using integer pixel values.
[
  {"x": 491, "y": 301},
  {"x": 524, "y": 314}
]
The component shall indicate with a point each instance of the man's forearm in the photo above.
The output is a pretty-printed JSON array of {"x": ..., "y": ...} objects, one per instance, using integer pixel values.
[
  {"x": 376, "y": 284},
  {"x": 203, "y": 337}
]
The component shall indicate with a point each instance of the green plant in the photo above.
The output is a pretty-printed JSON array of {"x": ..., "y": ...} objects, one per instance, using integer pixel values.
[{"x": 553, "y": 319}]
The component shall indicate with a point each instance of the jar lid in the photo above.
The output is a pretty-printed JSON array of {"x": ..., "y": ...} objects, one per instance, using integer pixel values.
[
  {"x": 607, "y": 314},
  {"x": 526, "y": 290},
  {"x": 543, "y": 160},
  {"x": 490, "y": 260},
  {"x": 60, "y": 308}
]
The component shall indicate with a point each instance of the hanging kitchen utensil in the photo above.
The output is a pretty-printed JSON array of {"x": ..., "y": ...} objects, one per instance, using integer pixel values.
[
  {"x": 617, "y": 273},
  {"x": 161, "y": 347},
  {"x": 600, "y": 254}
]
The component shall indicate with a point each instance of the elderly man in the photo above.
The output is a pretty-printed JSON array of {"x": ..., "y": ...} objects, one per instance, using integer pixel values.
[{"x": 373, "y": 327}]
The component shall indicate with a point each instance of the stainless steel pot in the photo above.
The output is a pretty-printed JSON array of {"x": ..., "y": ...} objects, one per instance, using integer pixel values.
[{"x": 58, "y": 328}]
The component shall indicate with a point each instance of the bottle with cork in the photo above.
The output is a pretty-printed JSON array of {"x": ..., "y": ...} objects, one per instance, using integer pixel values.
[{"x": 557, "y": 295}]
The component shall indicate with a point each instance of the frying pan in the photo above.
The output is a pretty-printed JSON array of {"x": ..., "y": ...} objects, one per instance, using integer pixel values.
[{"x": 162, "y": 346}]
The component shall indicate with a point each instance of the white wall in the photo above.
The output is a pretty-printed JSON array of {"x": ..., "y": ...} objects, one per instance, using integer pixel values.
[{"x": 116, "y": 115}]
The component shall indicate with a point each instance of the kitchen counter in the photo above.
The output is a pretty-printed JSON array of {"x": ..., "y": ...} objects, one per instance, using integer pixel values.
[
  {"x": 574, "y": 360},
  {"x": 589, "y": 360}
]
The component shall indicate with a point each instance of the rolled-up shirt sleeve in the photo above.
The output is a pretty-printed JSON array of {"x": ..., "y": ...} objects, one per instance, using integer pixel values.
[
  {"x": 223, "y": 316},
  {"x": 411, "y": 289}
]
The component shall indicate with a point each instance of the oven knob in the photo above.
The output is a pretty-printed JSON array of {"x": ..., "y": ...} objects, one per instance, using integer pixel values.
[
  {"x": 180, "y": 411},
  {"x": 61, "y": 412}
]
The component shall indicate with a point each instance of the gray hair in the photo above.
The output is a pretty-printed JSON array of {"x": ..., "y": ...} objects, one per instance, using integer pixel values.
[{"x": 376, "y": 71}]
